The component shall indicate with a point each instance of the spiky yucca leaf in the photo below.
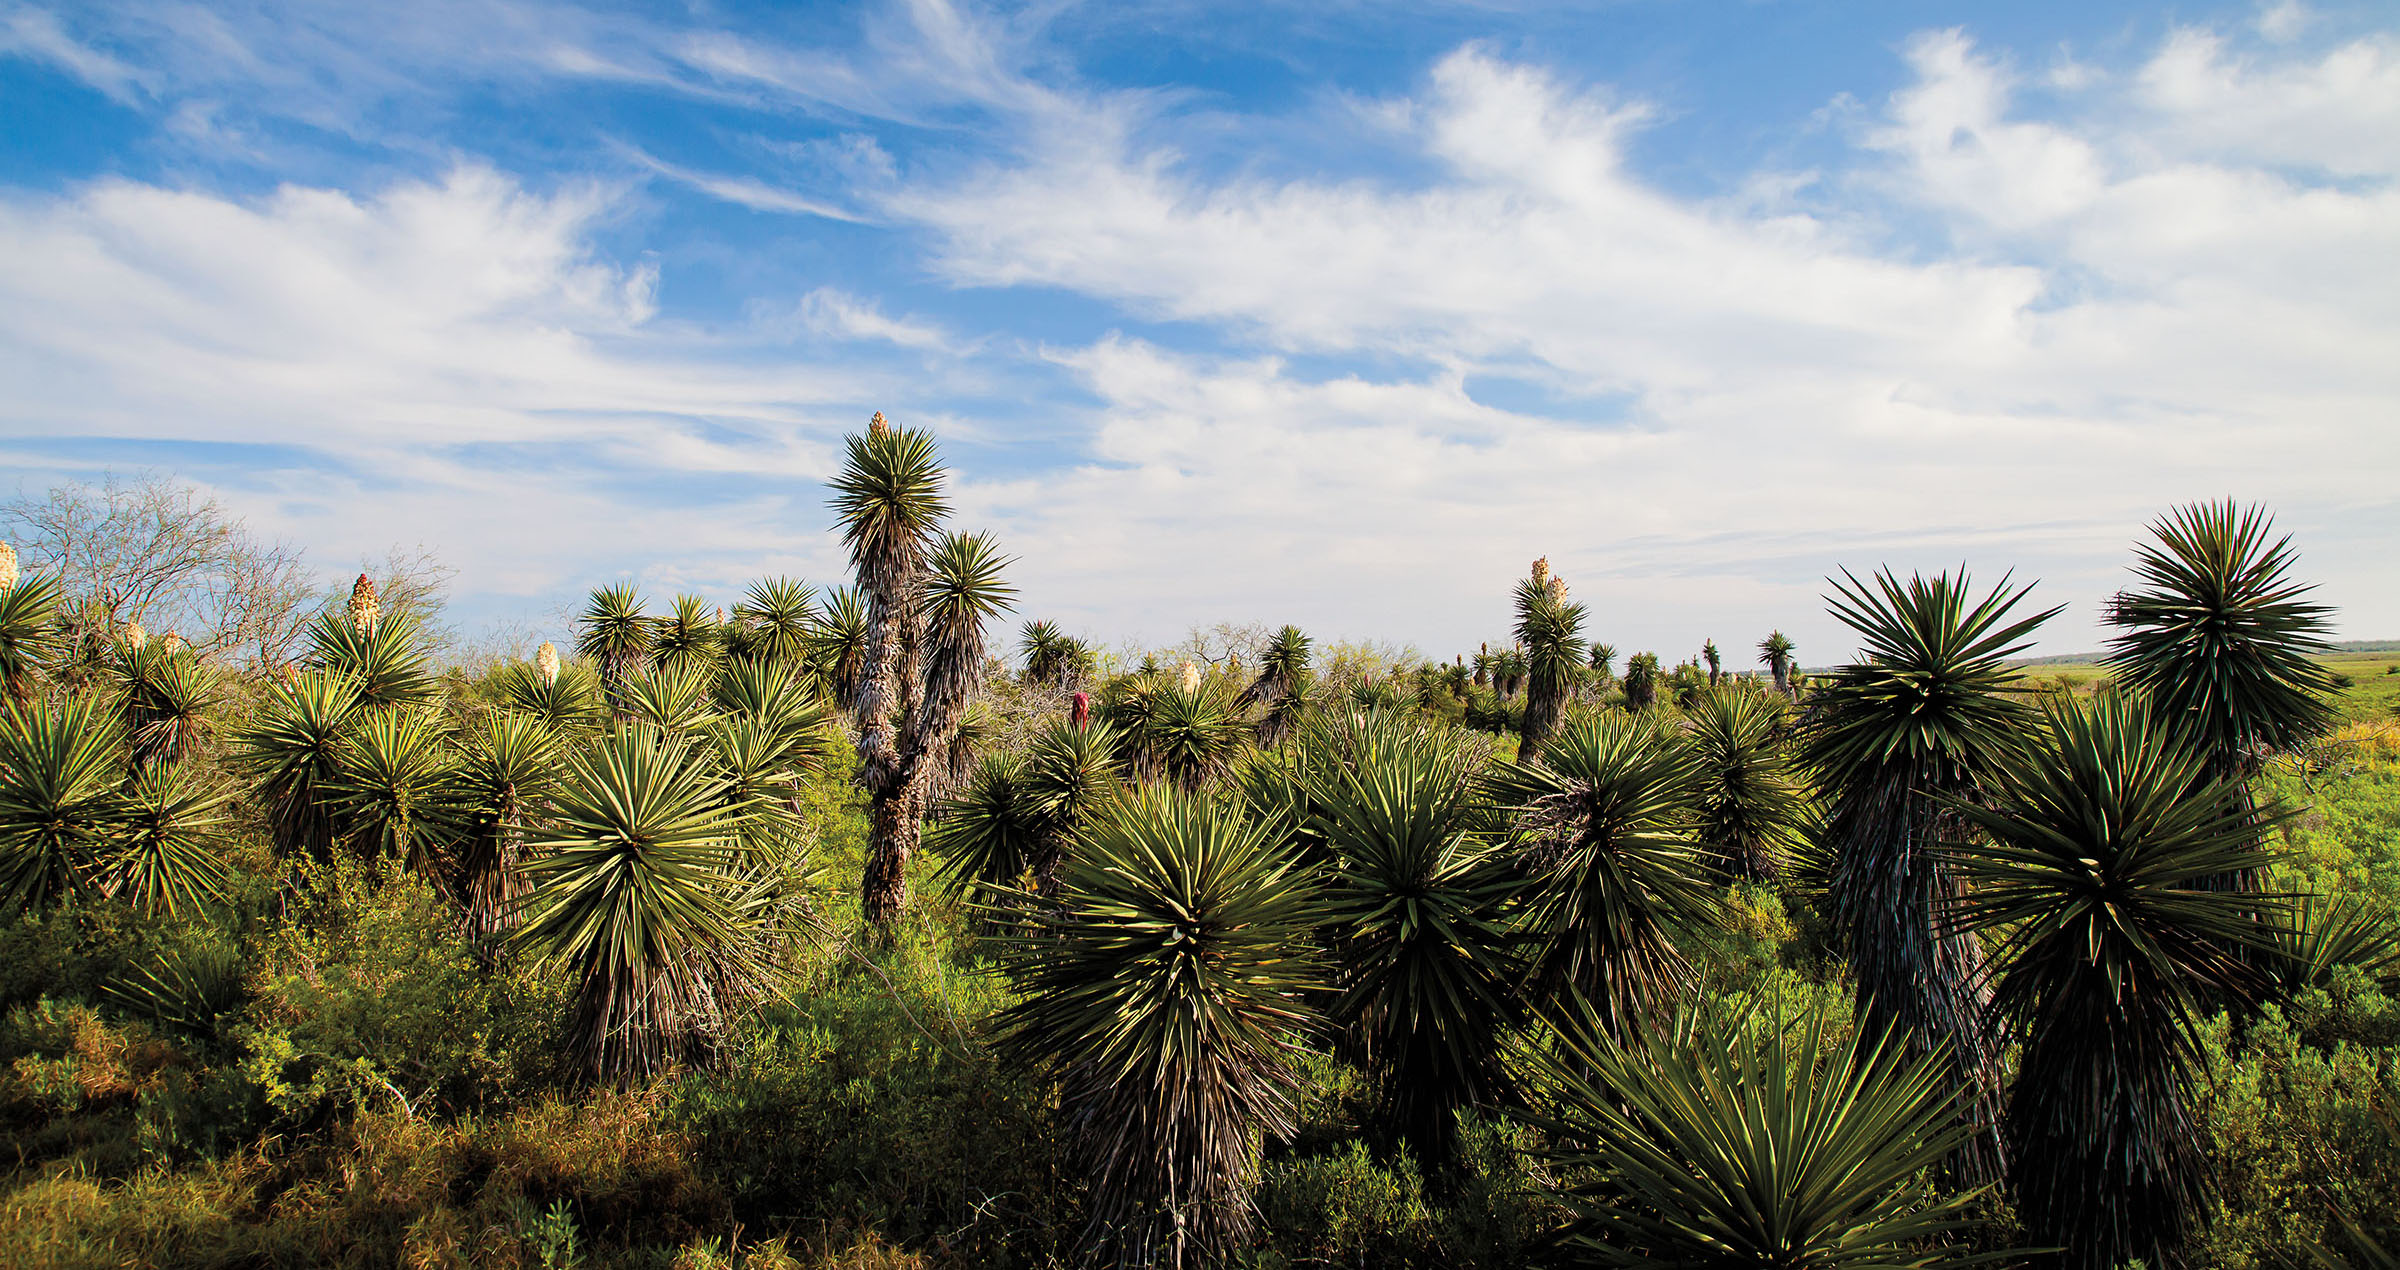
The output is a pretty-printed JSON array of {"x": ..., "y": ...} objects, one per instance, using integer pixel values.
[
  {"x": 1164, "y": 991},
  {"x": 167, "y": 854},
  {"x": 1775, "y": 653},
  {"x": 782, "y": 616},
  {"x": 1603, "y": 817},
  {"x": 290, "y": 751},
  {"x": 1017, "y": 815},
  {"x": 673, "y": 697},
  {"x": 60, "y": 764},
  {"x": 2110, "y": 951},
  {"x": 686, "y": 637},
  {"x": 1427, "y": 968},
  {"x": 1282, "y": 685},
  {"x": 568, "y": 698},
  {"x": 168, "y": 699},
  {"x": 1045, "y": 651},
  {"x": 632, "y": 895},
  {"x": 385, "y": 664},
  {"x": 1753, "y": 808},
  {"x": 616, "y": 635},
  {"x": 1737, "y": 1147},
  {"x": 2220, "y": 638},
  {"x": 838, "y": 646},
  {"x": 1929, "y": 711},
  {"x": 781, "y": 697},
  {"x": 395, "y": 789},
  {"x": 963, "y": 591},
  {"x": 1184, "y": 735},
  {"x": 29, "y": 633},
  {"x": 2328, "y": 932},
  {"x": 1551, "y": 631},
  {"x": 507, "y": 764}
]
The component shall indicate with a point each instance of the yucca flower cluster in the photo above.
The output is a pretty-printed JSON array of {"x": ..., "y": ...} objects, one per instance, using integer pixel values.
[
  {"x": 364, "y": 607},
  {"x": 545, "y": 660},
  {"x": 8, "y": 567}
]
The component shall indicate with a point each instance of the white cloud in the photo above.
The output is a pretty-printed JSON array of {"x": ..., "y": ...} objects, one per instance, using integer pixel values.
[{"x": 36, "y": 33}]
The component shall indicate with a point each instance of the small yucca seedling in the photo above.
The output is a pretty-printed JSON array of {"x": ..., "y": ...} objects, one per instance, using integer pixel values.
[
  {"x": 8, "y": 566},
  {"x": 364, "y": 607},
  {"x": 545, "y": 659}
]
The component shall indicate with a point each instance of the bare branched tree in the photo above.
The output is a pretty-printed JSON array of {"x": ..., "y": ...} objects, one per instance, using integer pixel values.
[{"x": 155, "y": 552}]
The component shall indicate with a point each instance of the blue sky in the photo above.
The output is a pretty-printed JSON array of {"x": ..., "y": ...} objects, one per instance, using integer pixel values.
[{"x": 1312, "y": 312}]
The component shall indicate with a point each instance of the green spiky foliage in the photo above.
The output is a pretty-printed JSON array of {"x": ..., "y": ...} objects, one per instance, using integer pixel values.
[
  {"x": 1753, "y": 807},
  {"x": 1427, "y": 966},
  {"x": 1929, "y": 711},
  {"x": 2219, "y": 636},
  {"x": 785, "y": 698},
  {"x": 395, "y": 789},
  {"x": 385, "y": 665},
  {"x": 29, "y": 633},
  {"x": 780, "y": 616},
  {"x": 1603, "y": 818},
  {"x": 1047, "y": 652},
  {"x": 1715, "y": 661},
  {"x": 61, "y": 764},
  {"x": 1377, "y": 694},
  {"x": 616, "y": 635},
  {"x": 1551, "y": 632},
  {"x": 1603, "y": 663},
  {"x": 2327, "y": 933},
  {"x": 1509, "y": 669},
  {"x": 2110, "y": 952},
  {"x": 1744, "y": 1147},
  {"x": 675, "y": 697},
  {"x": 507, "y": 763},
  {"x": 1015, "y": 817},
  {"x": 1164, "y": 992},
  {"x": 1188, "y": 736},
  {"x": 632, "y": 895},
  {"x": 290, "y": 750},
  {"x": 838, "y": 646},
  {"x": 570, "y": 703},
  {"x": 1775, "y": 653},
  {"x": 756, "y": 764},
  {"x": 168, "y": 698},
  {"x": 1641, "y": 681},
  {"x": 167, "y": 855},
  {"x": 1282, "y": 686},
  {"x": 689, "y": 636},
  {"x": 963, "y": 592},
  {"x": 2366, "y": 1241}
]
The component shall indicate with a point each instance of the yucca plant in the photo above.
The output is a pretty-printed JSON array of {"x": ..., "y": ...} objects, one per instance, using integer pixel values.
[
  {"x": 29, "y": 631},
  {"x": 1551, "y": 631},
  {"x": 2110, "y": 952},
  {"x": 1929, "y": 712},
  {"x": 1013, "y": 820},
  {"x": 507, "y": 763},
  {"x": 1753, "y": 807},
  {"x": 395, "y": 789},
  {"x": 1047, "y": 654},
  {"x": 61, "y": 765},
  {"x": 1641, "y": 681},
  {"x": 168, "y": 697},
  {"x": 616, "y": 635},
  {"x": 675, "y": 697},
  {"x": 781, "y": 617},
  {"x": 1741, "y": 1146},
  {"x": 384, "y": 663},
  {"x": 633, "y": 896},
  {"x": 2220, "y": 638},
  {"x": 1427, "y": 967},
  {"x": 1602, "y": 664},
  {"x": 1164, "y": 993},
  {"x": 1187, "y": 736},
  {"x": 167, "y": 853},
  {"x": 755, "y": 765},
  {"x": 928, "y": 595},
  {"x": 687, "y": 637},
  {"x": 1603, "y": 818},
  {"x": 1775, "y": 653},
  {"x": 838, "y": 646},
  {"x": 1282, "y": 686},
  {"x": 566, "y": 698},
  {"x": 2329, "y": 932},
  {"x": 290, "y": 751}
]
